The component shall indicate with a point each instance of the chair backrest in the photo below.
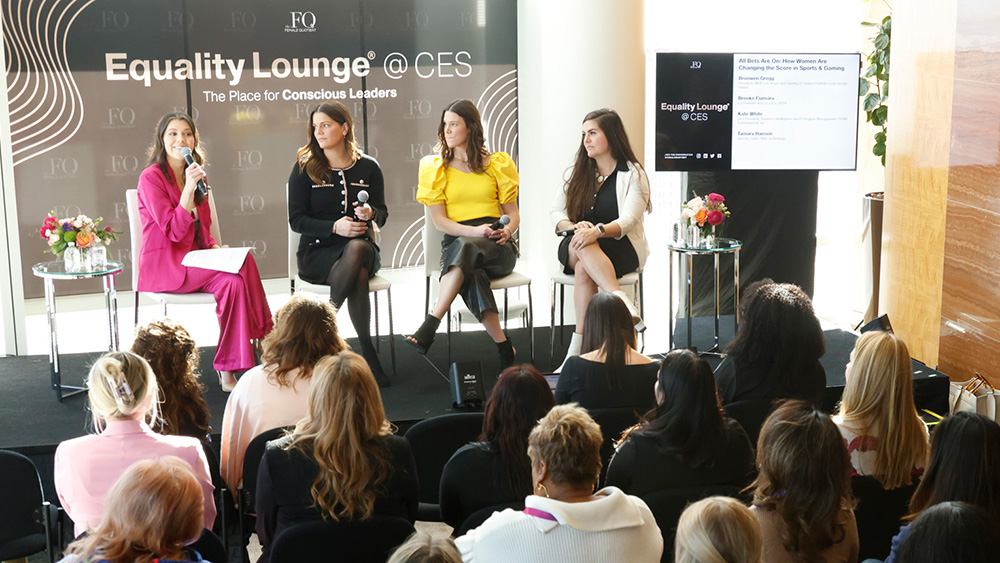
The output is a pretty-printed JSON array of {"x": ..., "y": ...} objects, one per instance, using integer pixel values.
[
  {"x": 668, "y": 504},
  {"x": 134, "y": 232},
  {"x": 20, "y": 497},
  {"x": 210, "y": 547},
  {"x": 434, "y": 441},
  {"x": 477, "y": 518},
  {"x": 251, "y": 466},
  {"x": 751, "y": 415},
  {"x": 293, "y": 246},
  {"x": 613, "y": 422},
  {"x": 361, "y": 541},
  {"x": 879, "y": 514},
  {"x": 432, "y": 244}
]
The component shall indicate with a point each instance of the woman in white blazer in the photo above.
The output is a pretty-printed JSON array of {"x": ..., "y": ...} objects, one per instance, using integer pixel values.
[{"x": 602, "y": 204}]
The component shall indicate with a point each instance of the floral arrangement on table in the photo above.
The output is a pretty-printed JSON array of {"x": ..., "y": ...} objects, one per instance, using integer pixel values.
[
  {"x": 708, "y": 213},
  {"x": 80, "y": 231}
]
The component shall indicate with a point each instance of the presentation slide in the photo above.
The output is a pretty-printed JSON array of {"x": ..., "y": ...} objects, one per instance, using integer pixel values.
[{"x": 756, "y": 111}]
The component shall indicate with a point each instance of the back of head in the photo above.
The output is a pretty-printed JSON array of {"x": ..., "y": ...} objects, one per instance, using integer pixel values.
[
  {"x": 121, "y": 385},
  {"x": 154, "y": 509},
  {"x": 342, "y": 433},
  {"x": 305, "y": 330},
  {"x": 520, "y": 397},
  {"x": 173, "y": 357},
  {"x": 689, "y": 418},
  {"x": 952, "y": 532},
  {"x": 718, "y": 530},
  {"x": 779, "y": 335},
  {"x": 609, "y": 326},
  {"x": 878, "y": 401},
  {"x": 568, "y": 441},
  {"x": 804, "y": 475},
  {"x": 422, "y": 547},
  {"x": 964, "y": 465}
]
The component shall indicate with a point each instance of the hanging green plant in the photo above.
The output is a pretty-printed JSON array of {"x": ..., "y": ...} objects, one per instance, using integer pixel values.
[{"x": 876, "y": 77}]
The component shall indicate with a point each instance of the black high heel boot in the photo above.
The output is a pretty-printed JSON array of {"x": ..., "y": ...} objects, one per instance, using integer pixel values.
[
  {"x": 425, "y": 334},
  {"x": 505, "y": 352},
  {"x": 371, "y": 356}
]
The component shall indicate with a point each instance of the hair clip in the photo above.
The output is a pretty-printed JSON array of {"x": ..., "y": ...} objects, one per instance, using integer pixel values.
[{"x": 121, "y": 391}]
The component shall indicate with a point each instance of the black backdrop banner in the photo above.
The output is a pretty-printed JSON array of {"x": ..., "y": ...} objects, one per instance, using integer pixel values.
[{"x": 88, "y": 79}]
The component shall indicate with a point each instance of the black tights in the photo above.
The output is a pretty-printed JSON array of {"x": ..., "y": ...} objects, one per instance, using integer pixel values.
[{"x": 348, "y": 279}]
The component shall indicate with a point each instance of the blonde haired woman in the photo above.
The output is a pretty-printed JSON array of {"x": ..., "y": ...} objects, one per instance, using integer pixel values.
[
  {"x": 153, "y": 511},
  {"x": 275, "y": 393},
  {"x": 718, "y": 530},
  {"x": 877, "y": 418},
  {"x": 123, "y": 398},
  {"x": 422, "y": 547},
  {"x": 342, "y": 461}
]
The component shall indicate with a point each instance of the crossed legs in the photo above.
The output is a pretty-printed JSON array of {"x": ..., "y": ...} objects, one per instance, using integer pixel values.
[{"x": 348, "y": 280}]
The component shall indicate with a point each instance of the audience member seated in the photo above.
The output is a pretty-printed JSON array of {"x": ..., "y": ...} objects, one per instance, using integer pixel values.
[
  {"x": 565, "y": 519},
  {"x": 342, "y": 461},
  {"x": 718, "y": 530},
  {"x": 611, "y": 373},
  {"x": 686, "y": 441},
  {"x": 802, "y": 495},
  {"x": 123, "y": 397},
  {"x": 496, "y": 469},
  {"x": 153, "y": 511},
  {"x": 275, "y": 393},
  {"x": 775, "y": 353},
  {"x": 952, "y": 532},
  {"x": 425, "y": 548},
  {"x": 964, "y": 467},
  {"x": 170, "y": 351},
  {"x": 877, "y": 418}
]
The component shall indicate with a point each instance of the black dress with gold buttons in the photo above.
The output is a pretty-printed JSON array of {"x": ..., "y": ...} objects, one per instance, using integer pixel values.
[{"x": 314, "y": 208}]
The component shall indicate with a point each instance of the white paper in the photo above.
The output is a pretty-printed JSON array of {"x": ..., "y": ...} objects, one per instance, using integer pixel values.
[{"x": 219, "y": 259}]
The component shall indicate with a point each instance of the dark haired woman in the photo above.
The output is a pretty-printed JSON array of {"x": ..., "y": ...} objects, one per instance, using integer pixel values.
[
  {"x": 802, "y": 494},
  {"x": 466, "y": 189},
  {"x": 611, "y": 373},
  {"x": 338, "y": 247},
  {"x": 952, "y": 532},
  {"x": 686, "y": 441},
  {"x": 775, "y": 353},
  {"x": 964, "y": 466},
  {"x": 602, "y": 202},
  {"x": 176, "y": 219},
  {"x": 496, "y": 469}
]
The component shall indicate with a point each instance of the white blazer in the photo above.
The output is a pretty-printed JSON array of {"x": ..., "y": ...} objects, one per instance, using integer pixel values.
[{"x": 632, "y": 189}]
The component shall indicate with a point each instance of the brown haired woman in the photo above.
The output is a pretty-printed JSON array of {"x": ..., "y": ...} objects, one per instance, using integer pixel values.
[
  {"x": 602, "y": 202},
  {"x": 338, "y": 246},
  {"x": 342, "y": 461},
  {"x": 466, "y": 189},
  {"x": 276, "y": 393}
]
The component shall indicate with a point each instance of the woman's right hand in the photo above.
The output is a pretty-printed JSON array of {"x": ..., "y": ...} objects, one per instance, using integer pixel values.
[
  {"x": 483, "y": 230},
  {"x": 583, "y": 225},
  {"x": 348, "y": 228},
  {"x": 192, "y": 175}
]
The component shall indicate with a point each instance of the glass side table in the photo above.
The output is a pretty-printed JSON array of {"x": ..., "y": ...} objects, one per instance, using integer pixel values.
[
  {"x": 722, "y": 246},
  {"x": 52, "y": 271}
]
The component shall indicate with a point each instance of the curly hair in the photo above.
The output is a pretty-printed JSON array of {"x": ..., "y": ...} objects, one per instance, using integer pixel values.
[
  {"x": 171, "y": 352},
  {"x": 305, "y": 330},
  {"x": 569, "y": 442}
]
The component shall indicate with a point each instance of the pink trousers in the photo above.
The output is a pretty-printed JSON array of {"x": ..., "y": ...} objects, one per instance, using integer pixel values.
[{"x": 242, "y": 309}]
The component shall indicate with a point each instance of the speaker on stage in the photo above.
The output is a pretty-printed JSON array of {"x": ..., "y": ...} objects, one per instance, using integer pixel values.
[{"x": 467, "y": 390}]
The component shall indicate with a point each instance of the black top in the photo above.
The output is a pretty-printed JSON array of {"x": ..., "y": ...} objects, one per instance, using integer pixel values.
[
  {"x": 643, "y": 464},
  {"x": 314, "y": 208},
  {"x": 740, "y": 382},
  {"x": 471, "y": 480},
  {"x": 590, "y": 384},
  {"x": 284, "y": 484}
]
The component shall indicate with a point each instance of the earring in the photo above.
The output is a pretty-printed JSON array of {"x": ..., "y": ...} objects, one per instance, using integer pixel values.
[{"x": 543, "y": 489}]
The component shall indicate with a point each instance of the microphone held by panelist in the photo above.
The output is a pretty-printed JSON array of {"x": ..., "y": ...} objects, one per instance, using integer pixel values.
[{"x": 189, "y": 159}]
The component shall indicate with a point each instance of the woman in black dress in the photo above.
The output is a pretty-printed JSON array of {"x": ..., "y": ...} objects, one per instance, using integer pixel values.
[
  {"x": 603, "y": 202},
  {"x": 338, "y": 243}
]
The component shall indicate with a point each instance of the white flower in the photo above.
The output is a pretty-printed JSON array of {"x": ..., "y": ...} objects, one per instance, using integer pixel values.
[
  {"x": 53, "y": 238},
  {"x": 695, "y": 204},
  {"x": 686, "y": 214},
  {"x": 77, "y": 222}
]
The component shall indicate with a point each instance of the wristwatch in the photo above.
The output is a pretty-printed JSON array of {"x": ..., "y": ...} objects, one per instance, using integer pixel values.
[{"x": 600, "y": 227}]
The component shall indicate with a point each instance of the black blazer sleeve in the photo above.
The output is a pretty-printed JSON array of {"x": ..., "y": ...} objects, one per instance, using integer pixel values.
[
  {"x": 621, "y": 466},
  {"x": 300, "y": 217},
  {"x": 376, "y": 196}
]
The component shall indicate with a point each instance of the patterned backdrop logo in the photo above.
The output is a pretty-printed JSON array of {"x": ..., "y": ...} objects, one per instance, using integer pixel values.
[
  {"x": 119, "y": 118},
  {"x": 257, "y": 247},
  {"x": 302, "y": 22},
  {"x": 249, "y": 205},
  {"x": 61, "y": 168},
  {"x": 113, "y": 21},
  {"x": 241, "y": 21},
  {"x": 122, "y": 165},
  {"x": 248, "y": 161}
]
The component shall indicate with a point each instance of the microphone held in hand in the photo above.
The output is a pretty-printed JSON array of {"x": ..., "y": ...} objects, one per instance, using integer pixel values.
[
  {"x": 189, "y": 159},
  {"x": 363, "y": 197},
  {"x": 501, "y": 222},
  {"x": 567, "y": 232}
]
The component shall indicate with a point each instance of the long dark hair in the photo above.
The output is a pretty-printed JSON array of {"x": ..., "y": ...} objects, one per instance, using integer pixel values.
[
  {"x": 779, "y": 336},
  {"x": 311, "y": 158},
  {"x": 964, "y": 466},
  {"x": 157, "y": 152},
  {"x": 582, "y": 184},
  {"x": 952, "y": 531},
  {"x": 475, "y": 144},
  {"x": 609, "y": 326},
  {"x": 520, "y": 397},
  {"x": 689, "y": 420},
  {"x": 805, "y": 477}
]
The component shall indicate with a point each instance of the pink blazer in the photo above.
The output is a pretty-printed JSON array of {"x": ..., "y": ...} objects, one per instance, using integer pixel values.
[
  {"x": 87, "y": 467},
  {"x": 167, "y": 231}
]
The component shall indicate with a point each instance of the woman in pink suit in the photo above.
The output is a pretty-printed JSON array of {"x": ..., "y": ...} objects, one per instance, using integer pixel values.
[{"x": 177, "y": 219}]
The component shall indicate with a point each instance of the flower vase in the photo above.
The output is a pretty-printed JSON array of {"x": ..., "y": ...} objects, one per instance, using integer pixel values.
[
  {"x": 72, "y": 259},
  {"x": 708, "y": 238},
  {"x": 693, "y": 236},
  {"x": 96, "y": 256}
]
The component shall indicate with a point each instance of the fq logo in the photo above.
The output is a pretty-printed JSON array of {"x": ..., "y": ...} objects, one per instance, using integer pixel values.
[{"x": 302, "y": 22}]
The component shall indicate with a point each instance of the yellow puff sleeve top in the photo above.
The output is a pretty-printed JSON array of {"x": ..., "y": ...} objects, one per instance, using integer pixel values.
[{"x": 468, "y": 196}]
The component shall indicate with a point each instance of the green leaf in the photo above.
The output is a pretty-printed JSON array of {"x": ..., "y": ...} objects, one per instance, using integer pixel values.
[
  {"x": 880, "y": 115},
  {"x": 883, "y": 58},
  {"x": 871, "y": 101},
  {"x": 885, "y": 87},
  {"x": 69, "y": 236},
  {"x": 869, "y": 24},
  {"x": 58, "y": 247},
  {"x": 863, "y": 86},
  {"x": 871, "y": 71},
  {"x": 879, "y": 149},
  {"x": 887, "y": 23},
  {"x": 880, "y": 137},
  {"x": 881, "y": 41}
]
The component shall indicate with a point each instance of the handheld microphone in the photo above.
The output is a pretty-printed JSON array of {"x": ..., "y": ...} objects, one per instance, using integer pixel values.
[
  {"x": 189, "y": 159},
  {"x": 567, "y": 232},
  {"x": 502, "y": 221},
  {"x": 363, "y": 197}
]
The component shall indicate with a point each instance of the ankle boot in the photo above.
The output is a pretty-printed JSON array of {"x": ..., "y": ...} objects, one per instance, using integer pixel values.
[{"x": 505, "y": 352}]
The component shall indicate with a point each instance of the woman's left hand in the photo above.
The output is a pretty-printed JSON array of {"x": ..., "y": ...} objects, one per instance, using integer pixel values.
[
  {"x": 363, "y": 211},
  {"x": 584, "y": 236},
  {"x": 502, "y": 235}
]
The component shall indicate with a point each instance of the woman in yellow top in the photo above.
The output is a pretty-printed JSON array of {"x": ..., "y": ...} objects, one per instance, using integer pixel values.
[{"x": 466, "y": 189}]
